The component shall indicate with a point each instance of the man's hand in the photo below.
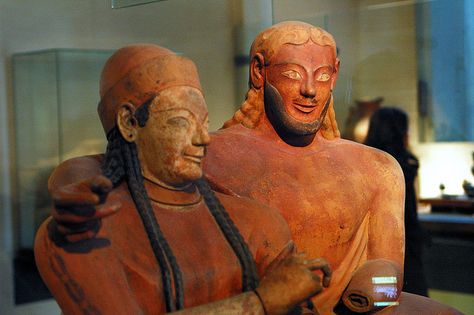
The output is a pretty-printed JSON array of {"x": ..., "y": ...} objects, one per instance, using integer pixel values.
[
  {"x": 291, "y": 280},
  {"x": 375, "y": 284},
  {"x": 79, "y": 207}
]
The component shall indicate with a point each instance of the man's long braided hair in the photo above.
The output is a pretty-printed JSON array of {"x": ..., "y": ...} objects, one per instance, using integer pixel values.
[{"x": 121, "y": 163}]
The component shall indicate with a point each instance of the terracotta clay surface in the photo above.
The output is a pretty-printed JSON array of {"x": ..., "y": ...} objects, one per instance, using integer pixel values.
[
  {"x": 343, "y": 201},
  {"x": 168, "y": 242},
  {"x": 116, "y": 272}
]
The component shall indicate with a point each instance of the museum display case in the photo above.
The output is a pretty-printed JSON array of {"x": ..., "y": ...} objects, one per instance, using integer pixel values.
[{"x": 55, "y": 97}]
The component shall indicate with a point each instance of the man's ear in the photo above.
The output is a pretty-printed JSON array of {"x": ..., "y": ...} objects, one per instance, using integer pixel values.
[
  {"x": 126, "y": 122},
  {"x": 336, "y": 73},
  {"x": 257, "y": 71}
]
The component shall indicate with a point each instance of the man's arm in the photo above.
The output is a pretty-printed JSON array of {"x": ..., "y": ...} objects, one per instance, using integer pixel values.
[
  {"x": 74, "y": 170},
  {"x": 79, "y": 191},
  {"x": 386, "y": 226},
  {"x": 245, "y": 303},
  {"x": 378, "y": 282}
]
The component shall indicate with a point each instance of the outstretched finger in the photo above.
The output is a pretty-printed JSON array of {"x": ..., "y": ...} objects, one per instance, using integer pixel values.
[
  {"x": 66, "y": 198},
  {"x": 84, "y": 214},
  {"x": 67, "y": 228},
  {"x": 106, "y": 210},
  {"x": 323, "y": 265},
  {"x": 101, "y": 185}
]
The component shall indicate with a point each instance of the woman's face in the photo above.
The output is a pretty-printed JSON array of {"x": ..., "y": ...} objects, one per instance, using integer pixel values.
[{"x": 172, "y": 143}]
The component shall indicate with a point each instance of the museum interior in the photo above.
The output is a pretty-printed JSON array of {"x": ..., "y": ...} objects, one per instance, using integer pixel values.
[{"x": 415, "y": 55}]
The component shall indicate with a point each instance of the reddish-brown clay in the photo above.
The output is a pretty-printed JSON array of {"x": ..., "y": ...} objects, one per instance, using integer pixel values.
[
  {"x": 343, "y": 201},
  {"x": 157, "y": 138}
]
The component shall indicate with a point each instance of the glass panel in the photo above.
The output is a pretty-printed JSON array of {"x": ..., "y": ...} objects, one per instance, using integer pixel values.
[
  {"x": 56, "y": 96},
  {"x": 117, "y": 4},
  {"x": 80, "y": 129},
  {"x": 445, "y": 70},
  {"x": 37, "y": 138}
]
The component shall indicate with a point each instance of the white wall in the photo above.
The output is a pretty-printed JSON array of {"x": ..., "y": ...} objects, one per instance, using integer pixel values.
[
  {"x": 448, "y": 163},
  {"x": 5, "y": 206},
  {"x": 184, "y": 26},
  {"x": 387, "y": 57}
]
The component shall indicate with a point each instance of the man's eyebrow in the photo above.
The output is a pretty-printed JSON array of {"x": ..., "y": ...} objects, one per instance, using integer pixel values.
[
  {"x": 296, "y": 63},
  {"x": 289, "y": 62},
  {"x": 325, "y": 66}
]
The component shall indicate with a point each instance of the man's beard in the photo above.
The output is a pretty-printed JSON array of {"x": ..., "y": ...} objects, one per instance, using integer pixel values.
[{"x": 282, "y": 122}]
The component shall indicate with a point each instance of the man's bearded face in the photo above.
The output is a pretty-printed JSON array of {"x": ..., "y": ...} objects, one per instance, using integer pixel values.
[{"x": 298, "y": 85}]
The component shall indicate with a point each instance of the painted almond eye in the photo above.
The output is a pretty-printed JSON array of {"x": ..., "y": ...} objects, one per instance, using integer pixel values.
[
  {"x": 178, "y": 121},
  {"x": 292, "y": 75},
  {"x": 323, "y": 77}
]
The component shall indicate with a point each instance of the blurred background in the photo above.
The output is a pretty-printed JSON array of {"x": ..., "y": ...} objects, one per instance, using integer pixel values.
[{"x": 416, "y": 55}]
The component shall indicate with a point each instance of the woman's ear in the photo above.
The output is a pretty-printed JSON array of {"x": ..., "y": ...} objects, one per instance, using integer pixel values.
[
  {"x": 257, "y": 71},
  {"x": 126, "y": 122}
]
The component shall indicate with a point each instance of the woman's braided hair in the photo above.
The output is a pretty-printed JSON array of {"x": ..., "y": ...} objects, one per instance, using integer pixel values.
[{"x": 121, "y": 163}]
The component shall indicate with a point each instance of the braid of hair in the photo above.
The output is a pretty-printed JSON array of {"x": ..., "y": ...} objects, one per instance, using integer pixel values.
[
  {"x": 250, "y": 112},
  {"x": 160, "y": 246},
  {"x": 250, "y": 278},
  {"x": 113, "y": 166},
  {"x": 121, "y": 161}
]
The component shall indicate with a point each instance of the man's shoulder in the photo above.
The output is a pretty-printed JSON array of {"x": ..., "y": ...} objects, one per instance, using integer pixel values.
[
  {"x": 233, "y": 145},
  {"x": 233, "y": 134},
  {"x": 252, "y": 212},
  {"x": 75, "y": 169},
  {"x": 352, "y": 150},
  {"x": 372, "y": 162}
]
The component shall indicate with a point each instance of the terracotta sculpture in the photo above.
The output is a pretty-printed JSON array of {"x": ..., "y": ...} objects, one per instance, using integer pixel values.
[
  {"x": 172, "y": 244},
  {"x": 342, "y": 200}
]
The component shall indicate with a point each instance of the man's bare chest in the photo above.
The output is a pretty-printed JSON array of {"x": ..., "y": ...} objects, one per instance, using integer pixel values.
[{"x": 317, "y": 194}]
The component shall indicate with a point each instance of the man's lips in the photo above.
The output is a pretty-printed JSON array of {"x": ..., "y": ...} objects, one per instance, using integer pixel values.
[{"x": 304, "y": 107}]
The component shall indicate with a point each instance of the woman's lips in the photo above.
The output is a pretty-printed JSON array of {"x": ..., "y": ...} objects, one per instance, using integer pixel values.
[{"x": 194, "y": 158}]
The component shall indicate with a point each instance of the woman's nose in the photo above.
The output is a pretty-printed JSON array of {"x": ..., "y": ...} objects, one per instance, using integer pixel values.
[{"x": 201, "y": 137}]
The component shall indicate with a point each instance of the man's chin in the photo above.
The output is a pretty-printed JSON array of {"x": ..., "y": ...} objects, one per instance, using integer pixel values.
[
  {"x": 309, "y": 125},
  {"x": 306, "y": 121},
  {"x": 303, "y": 129},
  {"x": 282, "y": 120}
]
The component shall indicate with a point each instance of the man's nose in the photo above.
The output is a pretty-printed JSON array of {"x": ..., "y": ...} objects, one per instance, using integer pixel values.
[
  {"x": 201, "y": 136},
  {"x": 307, "y": 88}
]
